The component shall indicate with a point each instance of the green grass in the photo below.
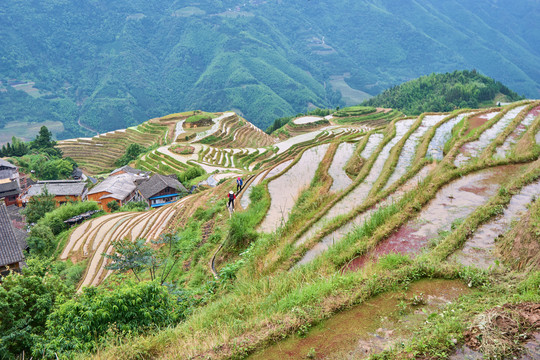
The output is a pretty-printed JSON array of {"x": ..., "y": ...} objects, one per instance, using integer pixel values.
[{"x": 199, "y": 117}]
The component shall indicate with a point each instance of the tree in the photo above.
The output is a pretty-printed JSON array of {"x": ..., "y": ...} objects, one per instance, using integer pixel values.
[
  {"x": 43, "y": 139},
  {"x": 41, "y": 240},
  {"x": 38, "y": 206},
  {"x": 130, "y": 256},
  {"x": 55, "y": 169},
  {"x": 113, "y": 205},
  {"x": 138, "y": 256},
  {"x": 132, "y": 152},
  {"x": 26, "y": 300},
  {"x": 79, "y": 324}
]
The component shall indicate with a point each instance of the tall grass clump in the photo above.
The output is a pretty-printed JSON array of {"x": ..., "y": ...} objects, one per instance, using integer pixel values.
[{"x": 242, "y": 224}]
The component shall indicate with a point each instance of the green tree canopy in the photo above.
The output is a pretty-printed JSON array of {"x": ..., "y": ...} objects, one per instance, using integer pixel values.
[
  {"x": 26, "y": 300},
  {"x": 132, "y": 152},
  {"x": 38, "y": 206}
]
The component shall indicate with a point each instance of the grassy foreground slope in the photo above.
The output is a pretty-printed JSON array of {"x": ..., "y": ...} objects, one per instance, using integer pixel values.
[{"x": 268, "y": 287}]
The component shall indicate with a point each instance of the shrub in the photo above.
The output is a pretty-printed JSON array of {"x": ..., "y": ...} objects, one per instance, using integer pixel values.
[
  {"x": 134, "y": 206},
  {"x": 183, "y": 150},
  {"x": 55, "y": 219},
  {"x": 198, "y": 117},
  {"x": 41, "y": 241},
  {"x": 79, "y": 324},
  {"x": 113, "y": 205}
]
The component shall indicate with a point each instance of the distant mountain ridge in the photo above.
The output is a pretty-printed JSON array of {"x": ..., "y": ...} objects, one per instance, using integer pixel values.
[{"x": 114, "y": 65}]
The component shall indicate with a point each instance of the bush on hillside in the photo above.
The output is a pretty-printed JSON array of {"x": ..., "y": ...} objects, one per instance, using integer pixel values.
[
  {"x": 80, "y": 324},
  {"x": 55, "y": 219},
  {"x": 132, "y": 152},
  {"x": 134, "y": 206}
]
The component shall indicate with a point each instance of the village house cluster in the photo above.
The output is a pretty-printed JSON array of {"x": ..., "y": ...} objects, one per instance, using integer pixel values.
[{"x": 123, "y": 185}]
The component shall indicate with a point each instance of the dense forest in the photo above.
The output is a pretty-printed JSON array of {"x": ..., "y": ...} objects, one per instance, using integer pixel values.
[
  {"x": 113, "y": 65},
  {"x": 443, "y": 93}
]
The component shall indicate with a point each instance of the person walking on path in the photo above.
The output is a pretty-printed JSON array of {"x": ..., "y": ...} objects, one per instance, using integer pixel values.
[
  {"x": 239, "y": 183},
  {"x": 232, "y": 197}
]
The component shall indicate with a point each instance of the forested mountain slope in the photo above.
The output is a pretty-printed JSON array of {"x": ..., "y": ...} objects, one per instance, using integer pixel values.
[
  {"x": 113, "y": 65},
  {"x": 444, "y": 92}
]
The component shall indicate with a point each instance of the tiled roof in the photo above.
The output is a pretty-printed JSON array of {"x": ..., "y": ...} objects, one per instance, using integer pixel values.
[
  {"x": 128, "y": 169},
  {"x": 7, "y": 174},
  {"x": 157, "y": 183},
  {"x": 118, "y": 186},
  {"x": 7, "y": 164},
  {"x": 9, "y": 188},
  {"x": 58, "y": 188},
  {"x": 9, "y": 248}
]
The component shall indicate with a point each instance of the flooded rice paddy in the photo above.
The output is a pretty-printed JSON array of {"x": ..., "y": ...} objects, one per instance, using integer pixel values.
[
  {"x": 360, "y": 193},
  {"x": 477, "y": 121},
  {"x": 338, "y": 234},
  {"x": 442, "y": 135},
  {"x": 502, "y": 151},
  {"x": 372, "y": 144},
  {"x": 409, "y": 148},
  {"x": 340, "y": 179},
  {"x": 245, "y": 200},
  {"x": 473, "y": 149},
  {"x": 285, "y": 189},
  {"x": 287, "y": 144},
  {"x": 453, "y": 202},
  {"x": 478, "y": 250},
  {"x": 370, "y": 327},
  {"x": 307, "y": 120}
]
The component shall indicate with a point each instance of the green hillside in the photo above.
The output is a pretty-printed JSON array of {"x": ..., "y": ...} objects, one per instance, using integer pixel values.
[
  {"x": 444, "y": 92},
  {"x": 115, "y": 65}
]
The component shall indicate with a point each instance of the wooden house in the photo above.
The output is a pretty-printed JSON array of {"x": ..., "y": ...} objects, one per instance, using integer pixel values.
[
  {"x": 63, "y": 191},
  {"x": 161, "y": 190},
  {"x": 121, "y": 188},
  {"x": 11, "y": 256}
]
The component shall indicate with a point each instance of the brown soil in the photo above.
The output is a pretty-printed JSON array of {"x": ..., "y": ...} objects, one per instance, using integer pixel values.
[
  {"x": 508, "y": 325},
  {"x": 476, "y": 122}
]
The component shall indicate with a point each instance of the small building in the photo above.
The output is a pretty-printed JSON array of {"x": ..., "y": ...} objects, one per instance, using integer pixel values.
[
  {"x": 63, "y": 191},
  {"x": 8, "y": 170},
  {"x": 9, "y": 191},
  {"x": 77, "y": 174},
  {"x": 121, "y": 188},
  {"x": 11, "y": 256},
  {"x": 129, "y": 170},
  {"x": 10, "y": 186},
  {"x": 161, "y": 190}
]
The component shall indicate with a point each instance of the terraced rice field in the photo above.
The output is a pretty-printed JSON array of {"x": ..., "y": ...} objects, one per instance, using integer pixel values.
[
  {"x": 473, "y": 149},
  {"x": 286, "y": 188},
  {"x": 436, "y": 190},
  {"x": 94, "y": 237},
  {"x": 453, "y": 202},
  {"x": 389, "y": 156},
  {"x": 99, "y": 154},
  {"x": 340, "y": 178},
  {"x": 409, "y": 149},
  {"x": 442, "y": 135},
  {"x": 479, "y": 249},
  {"x": 503, "y": 150}
]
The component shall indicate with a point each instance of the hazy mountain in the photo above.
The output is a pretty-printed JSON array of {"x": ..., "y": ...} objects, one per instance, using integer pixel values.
[{"x": 116, "y": 64}]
